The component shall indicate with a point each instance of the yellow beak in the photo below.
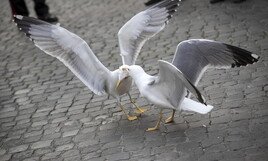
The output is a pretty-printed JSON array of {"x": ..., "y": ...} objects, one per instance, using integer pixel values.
[{"x": 117, "y": 84}]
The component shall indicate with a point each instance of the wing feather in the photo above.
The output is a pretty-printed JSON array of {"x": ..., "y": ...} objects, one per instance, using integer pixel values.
[
  {"x": 174, "y": 83},
  {"x": 69, "y": 48},
  {"x": 192, "y": 57},
  {"x": 142, "y": 27}
]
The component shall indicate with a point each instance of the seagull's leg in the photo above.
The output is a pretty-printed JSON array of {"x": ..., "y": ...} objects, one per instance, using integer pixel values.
[
  {"x": 130, "y": 118},
  {"x": 156, "y": 127},
  {"x": 138, "y": 110},
  {"x": 171, "y": 118}
]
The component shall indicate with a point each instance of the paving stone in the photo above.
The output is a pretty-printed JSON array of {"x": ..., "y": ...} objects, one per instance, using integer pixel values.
[
  {"x": 83, "y": 137},
  {"x": 110, "y": 151},
  {"x": 79, "y": 116},
  {"x": 65, "y": 147},
  {"x": 61, "y": 119},
  {"x": 47, "y": 113},
  {"x": 51, "y": 136},
  {"x": 22, "y": 155},
  {"x": 32, "y": 139},
  {"x": 2, "y": 152},
  {"x": 31, "y": 159},
  {"x": 72, "y": 158},
  {"x": 118, "y": 156},
  {"x": 33, "y": 133},
  {"x": 41, "y": 144},
  {"x": 90, "y": 149},
  {"x": 39, "y": 123},
  {"x": 167, "y": 156},
  {"x": 6, "y": 157},
  {"x": 52, "y": 155},
  {"x": 210, "y": 156},
  {"x": 77, "y": 107},
  {"x": 42, "y": 151},
  {"x": 61, "y": 141},
  {"x": 19, "y": 148},
  {"x": 8, "y": 114},
  {"x": 87, "y": 143},
  {"x": 22, "y": 91},
  {"x": 91, "y": 156},
  {"x": 71, "y": 153},
  {"x": 70, "y": 133}
]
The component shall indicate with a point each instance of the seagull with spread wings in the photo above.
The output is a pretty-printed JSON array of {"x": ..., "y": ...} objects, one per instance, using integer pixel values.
[
  {"x": 191, "y": 59},
  {"x": 75, "y": 53}
]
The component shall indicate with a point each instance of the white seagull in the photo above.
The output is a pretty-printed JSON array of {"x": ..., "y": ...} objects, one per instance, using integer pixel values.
[
  {"x": 75, "y": 53},
  {"x": 191, "y": 59}
]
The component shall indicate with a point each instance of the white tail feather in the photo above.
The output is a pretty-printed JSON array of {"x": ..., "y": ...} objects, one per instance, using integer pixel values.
[{"x": 191, "y": 105}]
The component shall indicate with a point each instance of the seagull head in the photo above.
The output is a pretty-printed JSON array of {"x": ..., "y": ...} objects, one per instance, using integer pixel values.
[
  {"x": 124, "y": 67},
  {"x": 129, "y": 70},
  {"x": 123, "y": 74},
  {"x": 126, "y": 71}
]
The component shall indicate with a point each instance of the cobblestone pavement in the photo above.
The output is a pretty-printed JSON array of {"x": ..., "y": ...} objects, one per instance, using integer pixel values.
[{"x": 46, "y": 113}]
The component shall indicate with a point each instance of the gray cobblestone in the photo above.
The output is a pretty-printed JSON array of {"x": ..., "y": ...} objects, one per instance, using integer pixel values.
[
  {"x": 22, "y": 155},
  {"x": 78, "y": 158},
  {"x": 65, "y": 147},
  {"x": 52, "y": 155},
  {"x": 41, "y": 144},
  {"x": 31, "y": 159},
  {"x": 52, "y": 136},
  {"x": 6, "y": 157},
  {"x": 2, "y": 152},
  {"x": 70, "y": 133},
  {"x": 46, "y": 113},
  {"x": 91, "y": 156},
  {"x": 34, "y": 133},
  {"x": 19, "y": 148},
  {"x": 42, "y": 151},
  {"x": 22, "y": 91},
  {"x": 32, "y": 139},
  {"x": 8, "y": 114},
  {"x": 39, "y": 123}
]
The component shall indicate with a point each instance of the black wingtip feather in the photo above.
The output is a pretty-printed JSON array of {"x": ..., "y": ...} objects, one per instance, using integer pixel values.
[
  {"x": 241, "y": 56},
  {"x": 169, "y": 4},
  {"x": 171, "y": 12},
  {"x": 29, "y": 20}
]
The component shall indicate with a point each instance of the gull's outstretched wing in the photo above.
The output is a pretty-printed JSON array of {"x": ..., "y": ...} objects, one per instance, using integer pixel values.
[
  {"x": 194, "y": 56},
  {"x": 172, "y": 83},
  {"x": 142, "y": 27},
  {"x": 69, "y": 49}
]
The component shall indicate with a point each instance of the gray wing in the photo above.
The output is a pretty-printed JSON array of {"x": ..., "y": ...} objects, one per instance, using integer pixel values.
[
  {"x": 69, "y": 49},
  {"x": 194, "y": 56},
  {"x": 174, "y": 82},
  {"x": 142, "y": 27}
]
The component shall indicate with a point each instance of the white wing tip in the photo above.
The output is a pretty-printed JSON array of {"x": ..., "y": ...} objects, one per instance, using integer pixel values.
[
  {"x": 19, "y": 17},
  {"x": 255, "y": 56}
]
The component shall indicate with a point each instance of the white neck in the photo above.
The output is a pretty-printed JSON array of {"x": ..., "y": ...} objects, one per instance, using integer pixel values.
[{"x": 140, "y": 78}]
